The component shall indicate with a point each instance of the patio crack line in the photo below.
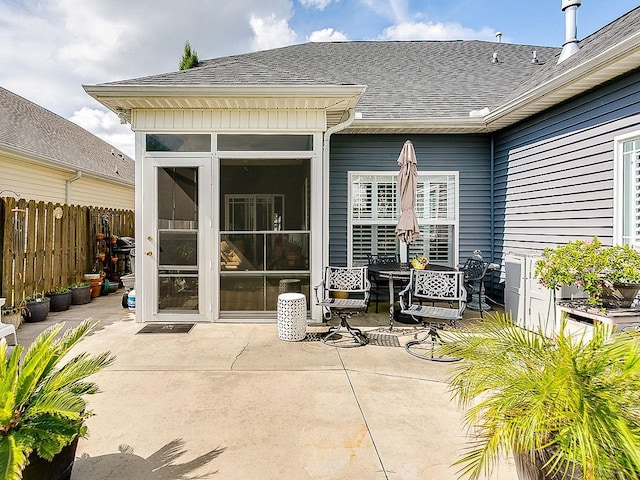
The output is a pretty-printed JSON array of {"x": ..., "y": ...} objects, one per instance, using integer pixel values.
[
  {"x": 238, "y": 356},
  {"x": 373, "y": 442}
]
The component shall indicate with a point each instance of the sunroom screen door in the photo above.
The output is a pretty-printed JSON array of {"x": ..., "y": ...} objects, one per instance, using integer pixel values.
[{"x": 178, "y": 256}]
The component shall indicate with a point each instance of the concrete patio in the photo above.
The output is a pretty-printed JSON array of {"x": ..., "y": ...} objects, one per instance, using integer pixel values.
[{"x": 233, "y": 401}]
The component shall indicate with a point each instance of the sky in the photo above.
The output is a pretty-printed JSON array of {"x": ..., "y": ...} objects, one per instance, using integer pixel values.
[{"x": 50, "y": 48}]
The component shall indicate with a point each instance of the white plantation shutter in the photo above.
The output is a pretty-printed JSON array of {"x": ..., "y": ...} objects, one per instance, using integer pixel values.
[
  {"x": 631, "y": 192},
  {"x": 375, "y": 209}
]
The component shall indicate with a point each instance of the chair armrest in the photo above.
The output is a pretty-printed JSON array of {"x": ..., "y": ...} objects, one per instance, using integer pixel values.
[
  {"x": 367, "y": 292},
  {"x": 402, "y": 294},
  {"x": 315, "y": 289}
]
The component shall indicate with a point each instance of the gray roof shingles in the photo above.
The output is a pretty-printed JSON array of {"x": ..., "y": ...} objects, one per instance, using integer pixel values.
[
  {"x": 404, "y": 79},
  {"x": 35, "y": 131}
]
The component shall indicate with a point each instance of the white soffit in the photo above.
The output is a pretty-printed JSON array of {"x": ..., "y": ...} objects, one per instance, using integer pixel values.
[{"x": 124, "y": 98}]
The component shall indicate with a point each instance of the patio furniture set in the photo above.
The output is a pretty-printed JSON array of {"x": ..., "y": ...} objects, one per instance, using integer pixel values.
[{"x": 435, "y": 297}]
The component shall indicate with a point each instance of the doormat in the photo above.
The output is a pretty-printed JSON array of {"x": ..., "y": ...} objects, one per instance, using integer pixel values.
[
  {"x": 383, "y": 340},
  {"x": 313, "y": 336},
  {"x": 167, "y": 328}
]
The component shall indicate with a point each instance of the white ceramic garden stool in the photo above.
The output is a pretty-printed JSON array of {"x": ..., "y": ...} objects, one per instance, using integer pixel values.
[{"x": 292, "y": 316}]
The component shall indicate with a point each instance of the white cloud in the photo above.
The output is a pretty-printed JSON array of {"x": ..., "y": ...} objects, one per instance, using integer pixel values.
[
  {"x": 271, "y": 32},
  {"x": 107, "y": 126},
  {"x": 319, "y": 4},
  {"x": 327, "y": 35},
  {"x": 435, "y": 31}
]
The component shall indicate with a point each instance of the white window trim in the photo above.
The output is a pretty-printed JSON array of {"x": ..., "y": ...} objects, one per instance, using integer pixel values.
[
  {"x": 618, "y": 184},
  {"x": 394, "y": 173}
]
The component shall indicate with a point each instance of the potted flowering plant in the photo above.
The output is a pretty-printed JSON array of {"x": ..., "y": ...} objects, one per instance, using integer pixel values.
[{"x": 608, "y": 275}]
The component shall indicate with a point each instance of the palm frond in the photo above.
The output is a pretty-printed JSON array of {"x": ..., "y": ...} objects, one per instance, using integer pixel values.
[
  {"x": 571, "y": 403},
  {"x": 13, "y": 457}
]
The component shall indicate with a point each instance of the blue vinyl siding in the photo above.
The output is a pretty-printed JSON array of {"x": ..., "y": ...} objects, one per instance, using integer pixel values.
[
  {"x": 554, "y": 171},
  {"x": 467, "y": 154}
]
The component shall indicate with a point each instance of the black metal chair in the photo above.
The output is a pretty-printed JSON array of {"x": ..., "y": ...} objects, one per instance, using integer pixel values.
[
  {"x": 438, "y": 287},
  {"x": 349, "y": 282},
  {"x": 474, "y": 272},
  {"x": 379, "y": 285}
]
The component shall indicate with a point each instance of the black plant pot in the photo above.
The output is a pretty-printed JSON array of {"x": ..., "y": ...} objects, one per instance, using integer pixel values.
[
  {"x": 36, "y": 311},
  {"x": 60, "y": 301},
  {"x": 80, "y": 295},
  {"x": 57, "y": 469}
]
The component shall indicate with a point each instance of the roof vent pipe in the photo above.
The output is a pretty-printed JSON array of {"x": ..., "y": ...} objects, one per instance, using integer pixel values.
[{"x": 570, "y": 45}]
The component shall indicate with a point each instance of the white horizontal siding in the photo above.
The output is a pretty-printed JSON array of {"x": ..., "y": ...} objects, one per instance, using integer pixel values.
[
  {"x": 99, "y": 193},
  {"x": 221, "y": 120},
  {"x": 35, "y": 181}
]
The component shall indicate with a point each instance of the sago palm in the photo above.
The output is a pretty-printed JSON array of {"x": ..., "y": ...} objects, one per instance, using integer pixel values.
[
  {"x": 568, "y": 405},
  {"x": 41, "y": 401}
]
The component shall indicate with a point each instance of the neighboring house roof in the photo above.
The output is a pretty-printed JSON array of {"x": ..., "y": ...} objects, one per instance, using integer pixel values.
[
  {"x": 411, "y": 86},
  {"x": 32, "y": 132}
]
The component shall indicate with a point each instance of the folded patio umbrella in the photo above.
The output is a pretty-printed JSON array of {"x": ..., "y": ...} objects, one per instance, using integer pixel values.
[{"x": 407, "y": 228}]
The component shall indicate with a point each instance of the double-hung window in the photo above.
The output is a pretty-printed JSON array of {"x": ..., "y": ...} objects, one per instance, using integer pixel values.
[
  {"x": 627, "y": 215},
  {"x": 374, "y": 210}
]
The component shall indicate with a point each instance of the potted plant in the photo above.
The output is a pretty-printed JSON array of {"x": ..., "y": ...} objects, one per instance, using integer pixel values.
[
  {"x": 36, "y": 308},
  {"x": 12, "y": 314},
  {"x": 60, "y": 299},
  {"x": 603, "y": 273},
  {"x": 566, "y": 407},
  {"x": 80, "y": 293},
  {"x": 44, "y": 408}
]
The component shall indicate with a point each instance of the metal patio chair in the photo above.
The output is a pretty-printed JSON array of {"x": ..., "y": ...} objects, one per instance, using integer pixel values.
[
  {"x": 474, "y": 272},
  {"x": 338, "y": 282},
  {"x": 439, "y": 287},
  {"x": 379, "y": 285}
]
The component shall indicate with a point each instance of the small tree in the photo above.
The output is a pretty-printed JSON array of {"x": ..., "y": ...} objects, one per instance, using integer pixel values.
[{"x": 189, "y": 57}]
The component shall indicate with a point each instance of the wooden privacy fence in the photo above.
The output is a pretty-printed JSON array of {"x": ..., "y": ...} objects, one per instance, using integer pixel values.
[{"x": 46, "y": 245}]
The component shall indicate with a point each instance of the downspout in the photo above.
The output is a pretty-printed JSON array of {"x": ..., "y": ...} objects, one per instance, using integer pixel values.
[
  {"x": 68, "y": 186},
  {"x": 325, "y": 180},
  {"x": 492, "y": 209},
  {"x": 492, "y": 205}
]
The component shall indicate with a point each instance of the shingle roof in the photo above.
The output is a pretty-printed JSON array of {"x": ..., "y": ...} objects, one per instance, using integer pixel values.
[
  {"x": 429, "y": 81},
  {"x": 404, "y": 79},
  {"x": 596, "y": 43},
  {"x": 33, "y": 131}
]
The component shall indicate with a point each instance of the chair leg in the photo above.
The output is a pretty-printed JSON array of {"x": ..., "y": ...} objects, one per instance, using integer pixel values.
[
  {"x": 356, "y": 334},
  {"x": 426, "y": 347}
]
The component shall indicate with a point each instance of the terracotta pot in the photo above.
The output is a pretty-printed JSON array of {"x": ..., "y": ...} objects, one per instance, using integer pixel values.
[
  {"x": 99, "y": 236},
  {"x": 96, "y": 287}
]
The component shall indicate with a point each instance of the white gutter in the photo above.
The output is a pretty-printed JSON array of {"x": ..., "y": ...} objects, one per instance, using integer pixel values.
[
  {"x": 468, "y": 124},
  {"x": 67, "y": 187}
]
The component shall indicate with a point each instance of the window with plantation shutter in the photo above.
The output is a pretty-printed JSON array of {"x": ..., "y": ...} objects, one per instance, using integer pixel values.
[
  {"x": 375, "y": 209},
  {"x": 630, "y": 192}
]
